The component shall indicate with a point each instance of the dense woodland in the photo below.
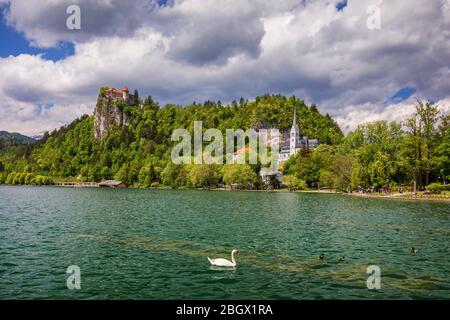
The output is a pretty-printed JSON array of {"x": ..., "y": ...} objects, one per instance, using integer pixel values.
[
  {"x": 375, "y": 155},
  {"x": 383, "y": 155}
]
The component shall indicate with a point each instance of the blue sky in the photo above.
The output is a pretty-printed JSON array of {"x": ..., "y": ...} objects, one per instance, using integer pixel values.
[
  {"x": 14, "y": 43},
  {"x": 179, "y": 51},
  {"x": 403, "y": 94},
  {"x": 341, "y": 5}
]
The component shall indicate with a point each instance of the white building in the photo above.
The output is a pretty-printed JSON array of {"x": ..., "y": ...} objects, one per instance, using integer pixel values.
[
  {"x": 295, "y": 143},
  {"x": 290, "y": 143},
  {"x": 272, "y": 178}
]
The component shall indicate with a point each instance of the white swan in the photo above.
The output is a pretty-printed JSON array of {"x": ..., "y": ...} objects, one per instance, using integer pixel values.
[{"x": 224, "y": 262}]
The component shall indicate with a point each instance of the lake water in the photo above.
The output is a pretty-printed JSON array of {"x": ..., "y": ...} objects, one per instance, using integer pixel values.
[{"x": 153, "y": 244}]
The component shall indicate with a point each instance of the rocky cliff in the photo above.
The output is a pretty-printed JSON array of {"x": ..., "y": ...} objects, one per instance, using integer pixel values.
[{"x": 109, "y": 112}]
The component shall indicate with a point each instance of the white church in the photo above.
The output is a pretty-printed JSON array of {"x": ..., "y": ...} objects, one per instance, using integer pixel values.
[
  {"x": 295, "y": 143},
  {"x": 290, "y": 142}
]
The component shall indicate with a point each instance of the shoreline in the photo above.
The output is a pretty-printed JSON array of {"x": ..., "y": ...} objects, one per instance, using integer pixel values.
[{"x": 396, "y": 196}]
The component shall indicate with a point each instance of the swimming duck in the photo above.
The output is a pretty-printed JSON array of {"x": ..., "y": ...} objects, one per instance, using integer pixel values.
[{"x": 342, "y": 259}]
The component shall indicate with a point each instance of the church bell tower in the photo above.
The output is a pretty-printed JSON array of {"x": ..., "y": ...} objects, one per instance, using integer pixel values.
[{"x": 295, "y": 134}]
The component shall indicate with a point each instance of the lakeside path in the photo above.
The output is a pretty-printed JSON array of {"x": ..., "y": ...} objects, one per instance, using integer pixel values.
[{"x": 398, "y": 196}]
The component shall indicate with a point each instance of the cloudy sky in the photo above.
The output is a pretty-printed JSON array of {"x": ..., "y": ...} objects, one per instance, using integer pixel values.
[{"x": 180, "y": 51}]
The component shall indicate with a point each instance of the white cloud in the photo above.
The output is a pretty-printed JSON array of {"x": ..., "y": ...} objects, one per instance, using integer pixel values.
[
  {"x": 211, "y": 49},
  {"x": 44, "y": 22},
  {"x": 354, "y": 115}
]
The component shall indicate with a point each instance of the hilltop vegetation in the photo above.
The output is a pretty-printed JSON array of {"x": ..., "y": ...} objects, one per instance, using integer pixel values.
[
  {"x": 375, "y": 155},
  {"x": 139, "y": 153}
]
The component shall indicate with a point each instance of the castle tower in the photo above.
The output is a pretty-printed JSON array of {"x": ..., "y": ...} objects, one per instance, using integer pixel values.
[
  {"x": 125, "y": 94},
  {"x": 295, "y": 133}
]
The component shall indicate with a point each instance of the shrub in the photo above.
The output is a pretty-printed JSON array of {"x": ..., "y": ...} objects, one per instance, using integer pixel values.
[
  {"x": 326, "y": 178},
  {"x": 435, "y": 188},
  {"x": 155, "y": 184},
  {"x": 295, "y": 183},
  {"x": 19, "y": 178},
  {"x": 42, "y": 180},
  {"x": 238, "y": 173},
  {"x": 300, "y": 184},
  {"x": 10, "y": 178},
  {"x": 29, "y": 177}
]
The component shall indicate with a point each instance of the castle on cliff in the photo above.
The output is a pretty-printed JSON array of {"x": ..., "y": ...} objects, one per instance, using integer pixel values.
[
  {"x": 121, "y": 95},
  {"x": 108, "y": 112}
]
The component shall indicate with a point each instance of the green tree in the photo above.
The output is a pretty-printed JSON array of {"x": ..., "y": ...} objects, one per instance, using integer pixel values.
[
  {"x": 420, "y": 142},
  {"x": 327, "y": 178},
  {"x": 238, "y": 173},
  {"x": 442, "y": 156},
  {"x": 295, "y": 183},
  {"x": 105, "y": 173},
  {"x": 122, "y": 174},
  {"x": 146, "y": 175},
  {"x": 29, "y": 178},
  {"x": 379, "y": 171},
  {"x": 204, "y": 175},
  {"x": 182, "y": 177},
  {"x": 376, "y": 148},
  {"x": 309, "y": 163},
  {"x": 343, "y": 170},
  {"x": 428, "y": 114},
  {"x": 170, "y": 174},
  {"x": 3, "y": 176}
]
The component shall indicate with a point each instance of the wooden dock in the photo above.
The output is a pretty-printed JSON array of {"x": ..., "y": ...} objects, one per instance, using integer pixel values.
[
  {"x": 77, "y": 184},
  {"x": 103, "y": 184}
]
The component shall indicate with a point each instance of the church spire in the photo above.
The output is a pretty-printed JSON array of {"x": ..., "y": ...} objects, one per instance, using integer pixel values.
[
  {"x": 294, "y": 122},
  {"x": 295, "y": 135}
]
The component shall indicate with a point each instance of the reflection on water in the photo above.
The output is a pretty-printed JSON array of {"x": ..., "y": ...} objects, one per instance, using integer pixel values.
[{"x": 153, "y": 245}]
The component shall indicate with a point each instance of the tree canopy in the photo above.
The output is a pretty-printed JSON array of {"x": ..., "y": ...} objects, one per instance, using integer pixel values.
[{"x": 374, "y": 155}]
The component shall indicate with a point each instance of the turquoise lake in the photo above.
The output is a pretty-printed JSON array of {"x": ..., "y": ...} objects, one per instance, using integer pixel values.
[{"x": 153, "y": 244}]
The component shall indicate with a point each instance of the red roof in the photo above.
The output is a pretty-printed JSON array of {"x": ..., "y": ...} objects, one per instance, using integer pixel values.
[
  {"x": 114, "y": 90},
  {"x": 244, "y": 150}
]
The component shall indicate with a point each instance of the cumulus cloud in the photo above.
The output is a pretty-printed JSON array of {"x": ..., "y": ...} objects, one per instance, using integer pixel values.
[
  {"x": 44, "y": 22},
  {"x": 32, "y": 119},
  {"x": 209, "y": 31},
  {"x": 209, "y": 49},
  {"x": 354, "y": 115}
]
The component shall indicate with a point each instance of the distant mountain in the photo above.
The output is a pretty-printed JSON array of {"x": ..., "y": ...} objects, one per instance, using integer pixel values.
[
  {"x": 38, "y": 136},
  {"x": 14, "y": 136}
]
